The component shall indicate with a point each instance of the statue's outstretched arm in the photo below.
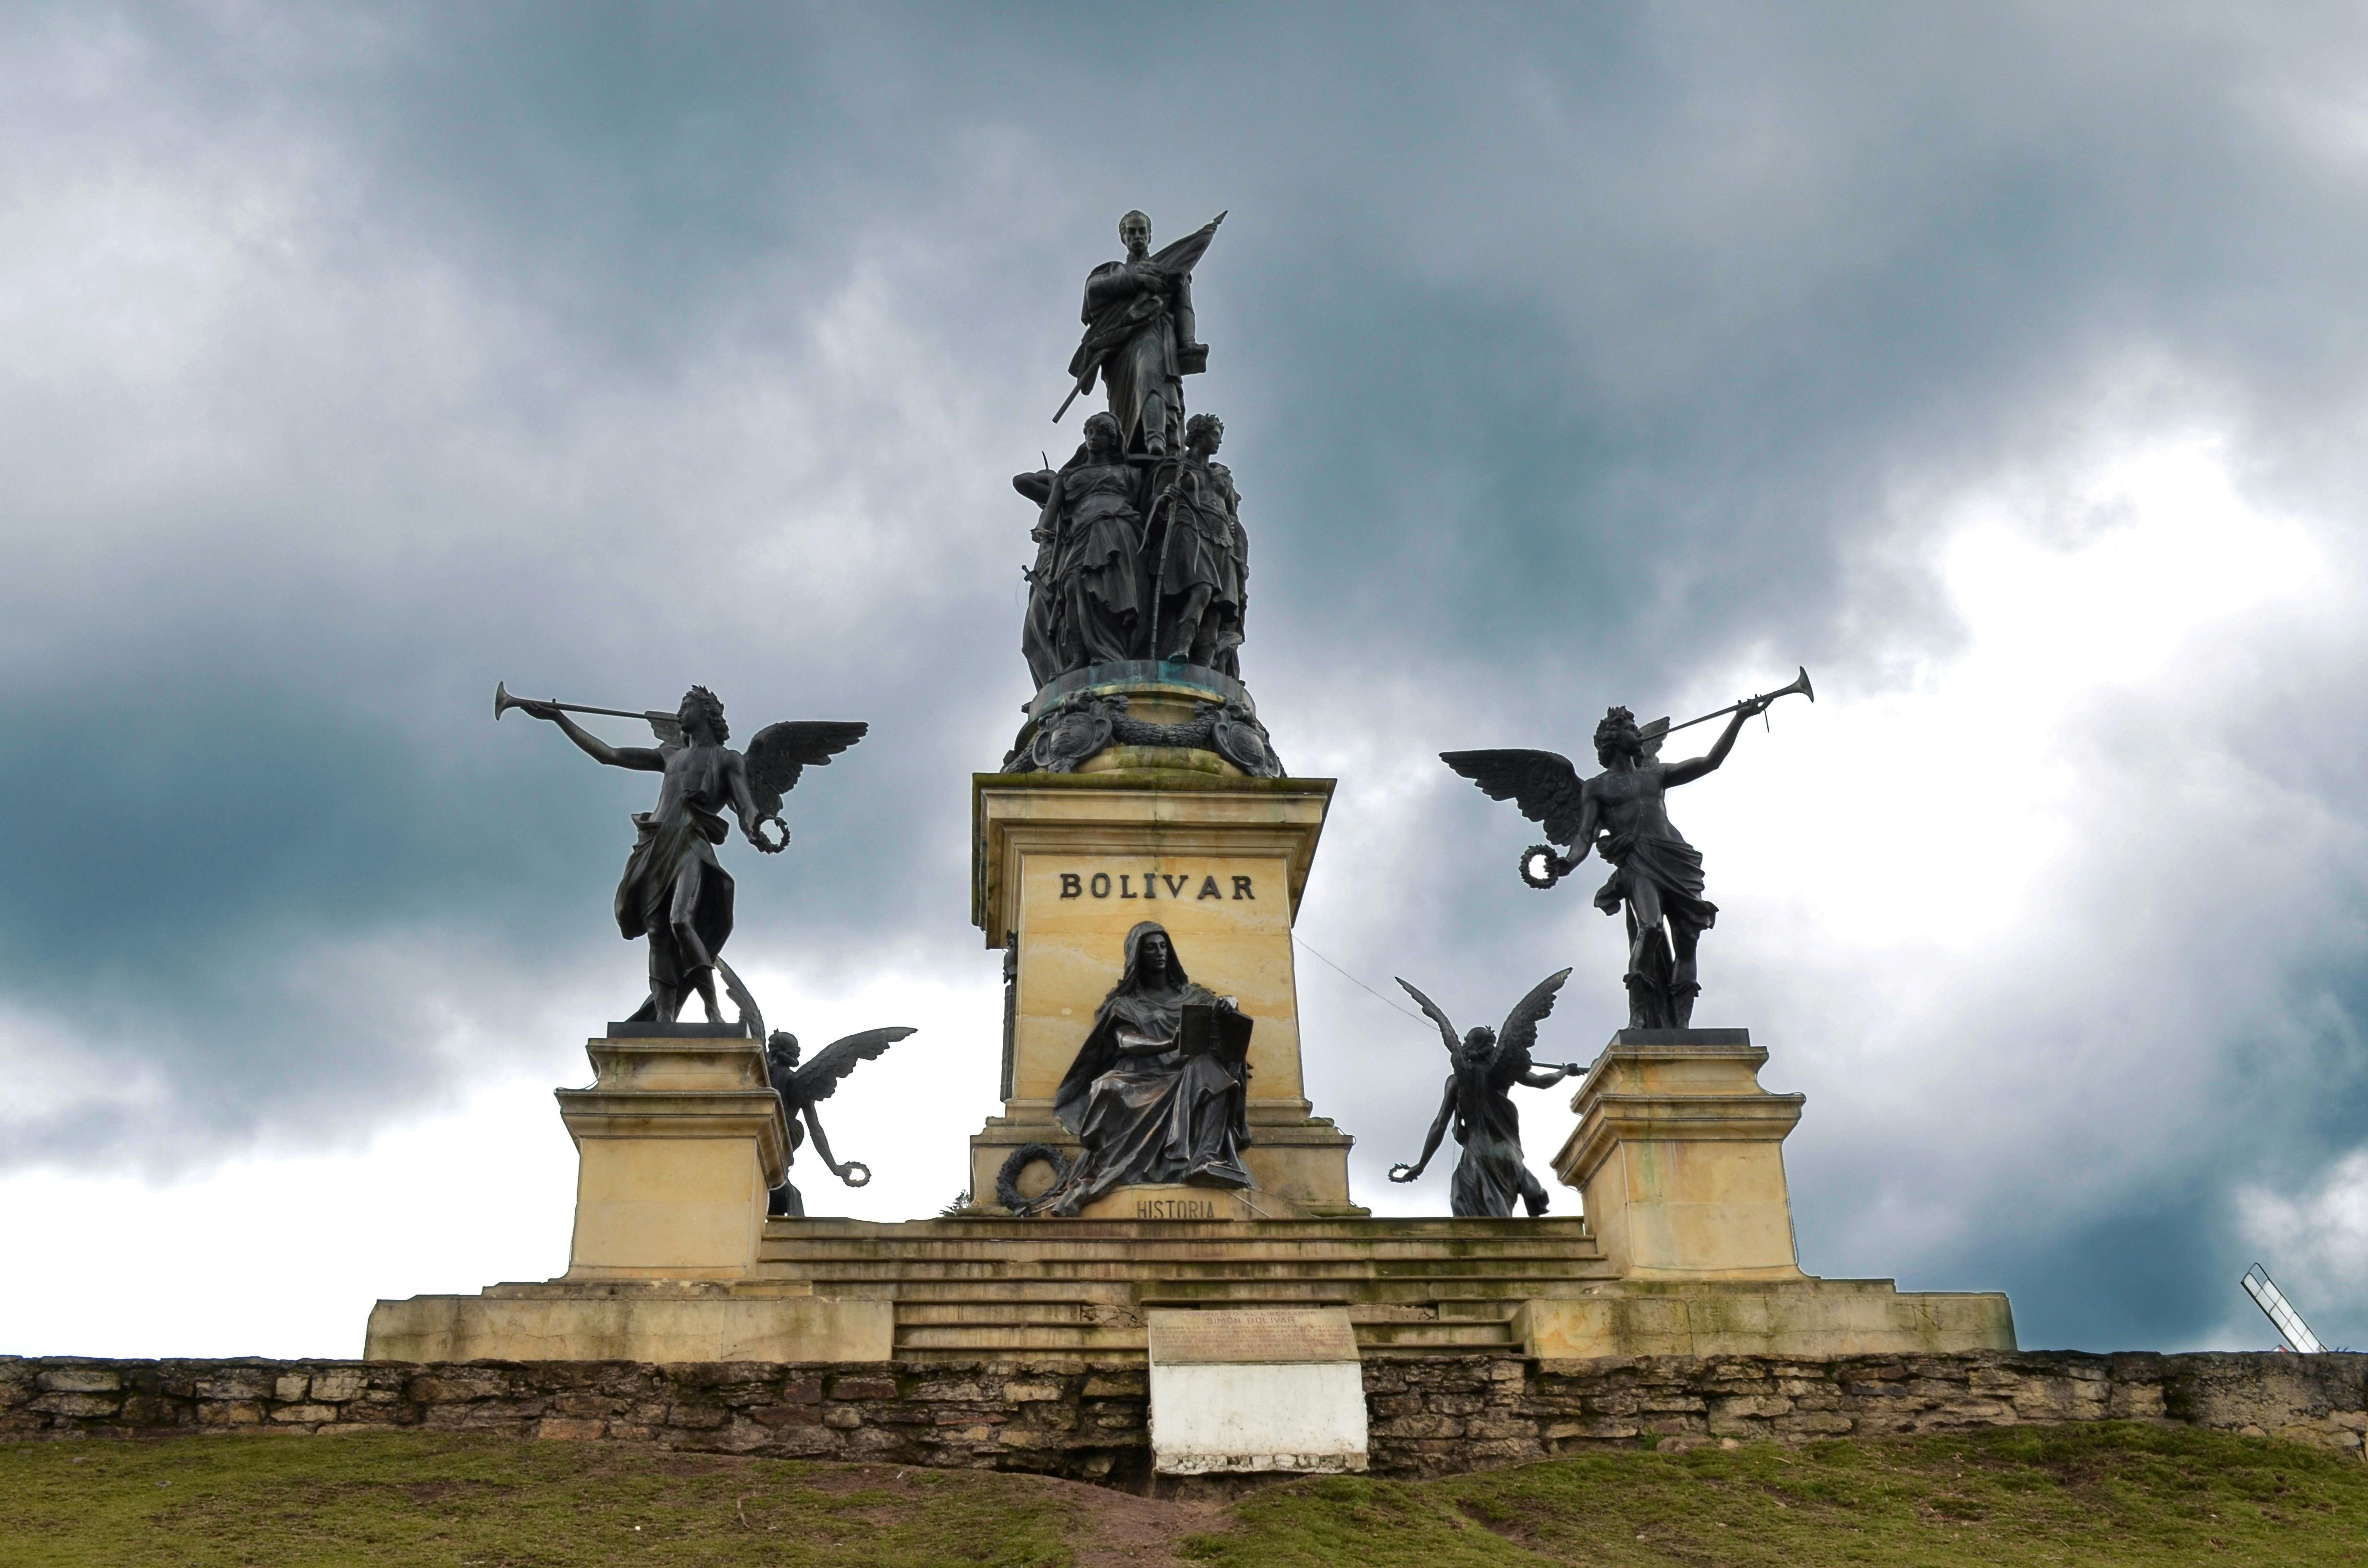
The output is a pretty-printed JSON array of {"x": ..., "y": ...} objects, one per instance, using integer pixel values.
[
  {"x": 1547, "y": 1077},
  {"x": 736, "y": 768},
  {"x": 822, "y": 1143},
  {"x": 644, "y": 759},
  {"x": 1685, "y": 772},
  {"x": 1430, "y": 1143}
]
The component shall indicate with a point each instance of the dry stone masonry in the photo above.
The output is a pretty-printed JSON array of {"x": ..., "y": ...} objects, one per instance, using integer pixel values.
[{"x": 1430, "y": 1416}]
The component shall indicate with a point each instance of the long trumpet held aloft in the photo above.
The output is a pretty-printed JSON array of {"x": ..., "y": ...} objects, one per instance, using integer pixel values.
[
  {"x": 1800, "y": 684},
  {"x": 504, "y": 702}
]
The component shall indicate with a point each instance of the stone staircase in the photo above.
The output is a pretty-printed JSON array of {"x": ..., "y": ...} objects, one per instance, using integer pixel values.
[{"x": 1078, "y": 1288}]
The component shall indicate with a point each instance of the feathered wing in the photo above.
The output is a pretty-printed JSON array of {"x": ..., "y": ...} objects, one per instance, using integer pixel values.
[
  {"x": 781, "y": 752},
  {"x": 1430, "y": 1009},
  {"x": 818, "y": 1079},
  {"x": 1521, "y": 1030},
  {"x": 1542, "y": 783}
]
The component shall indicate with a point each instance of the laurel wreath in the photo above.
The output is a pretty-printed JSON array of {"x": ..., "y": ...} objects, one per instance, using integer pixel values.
[
  {"x": 1006, "y": 1180},
  {"x": 1554, "y": 867},
  {"x": 770, "y": 846},
  {"x": 846, "y": 1172}
]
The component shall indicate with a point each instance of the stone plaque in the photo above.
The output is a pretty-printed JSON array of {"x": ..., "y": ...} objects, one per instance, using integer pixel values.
[{"x": 1252, "y": 1337}]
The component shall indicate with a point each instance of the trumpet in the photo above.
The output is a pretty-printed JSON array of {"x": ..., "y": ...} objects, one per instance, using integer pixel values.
[
  {"x": 1800, "y": 684},
  {"x": 504, "y": 702}
]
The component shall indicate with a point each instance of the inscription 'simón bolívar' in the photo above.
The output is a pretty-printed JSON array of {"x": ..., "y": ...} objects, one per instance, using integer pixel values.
[{"x": 1102, "y": 884}]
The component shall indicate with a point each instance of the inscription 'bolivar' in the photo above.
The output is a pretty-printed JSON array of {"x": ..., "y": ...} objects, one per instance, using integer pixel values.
[{"x": 1074, "y": 884}]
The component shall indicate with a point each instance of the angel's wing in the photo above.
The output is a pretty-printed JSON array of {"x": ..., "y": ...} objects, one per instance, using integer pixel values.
[
  {"x": 1430, "y": 1010},
  {"x": 1654, "y": 733},
  {"x": 781, "y": 752},
  {"x": 1542, "y": 783},
  {"x": 666, "y": 727},
  {"x": 1521, "y": 1030},
  {"x": 818, "y": 1079}
]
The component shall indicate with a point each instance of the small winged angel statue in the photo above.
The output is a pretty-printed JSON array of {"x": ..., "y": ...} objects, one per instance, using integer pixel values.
[
  {"x": 674, "y": 891},
  {"x": 1479, "y": 1102},
  {"x": 802, "y": 1088}
]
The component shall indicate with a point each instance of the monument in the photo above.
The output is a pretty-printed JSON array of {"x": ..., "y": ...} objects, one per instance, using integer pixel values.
[{"x": 1156, "y": 1190}]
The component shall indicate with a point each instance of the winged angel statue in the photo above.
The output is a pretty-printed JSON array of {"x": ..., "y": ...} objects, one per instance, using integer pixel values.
[
  {"x": 674, "y": 891},
  {"x": 802, "y": 1088},
  {"x": 1487, "y": 1063}
]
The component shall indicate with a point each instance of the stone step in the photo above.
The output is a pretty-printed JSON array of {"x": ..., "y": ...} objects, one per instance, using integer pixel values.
[
  {"x": 945, "y": 1314},
  {"x": 1065, "y": 1339},
  {"x": 1495, "y": 1334},
  {"x": 806, "y": 1261},
  {"x": 1362, "y": 1232},
  {"x": 1444, "y": 1287},
  {"x": 1019, "y": 1271}
]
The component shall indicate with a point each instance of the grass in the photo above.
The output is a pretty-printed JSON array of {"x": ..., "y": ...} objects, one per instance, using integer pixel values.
[
  {"x": 392, "y": 1500},
  {"x": 2093, "y": 1493},
  {"x": 2099, "y": 1493}
]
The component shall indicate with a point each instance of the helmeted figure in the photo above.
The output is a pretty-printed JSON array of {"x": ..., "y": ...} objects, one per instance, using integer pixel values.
[
  {"x": 1146, "y": 1113},
  {"x": 1139, "y": 333},
  {"x": 1478, "y": 1102}
]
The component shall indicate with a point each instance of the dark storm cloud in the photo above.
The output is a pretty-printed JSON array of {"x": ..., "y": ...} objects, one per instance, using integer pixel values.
[{"x": 1566, "y": 358}]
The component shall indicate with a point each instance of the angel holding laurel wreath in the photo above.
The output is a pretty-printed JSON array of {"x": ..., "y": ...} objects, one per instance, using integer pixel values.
[
  {"x": 674, "y": 891},
  {"x": 1486, "y": 1064}
]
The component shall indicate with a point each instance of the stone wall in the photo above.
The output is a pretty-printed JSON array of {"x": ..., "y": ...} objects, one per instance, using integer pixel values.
[
  {"x": 1436, "y": 1417},
  {"x": 1429, "y": 1417}
]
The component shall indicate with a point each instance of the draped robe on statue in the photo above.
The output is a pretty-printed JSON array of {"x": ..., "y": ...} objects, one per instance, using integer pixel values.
[
  {"x": 673, "y": 866},
  {"x": 1147, "y": 1114}
]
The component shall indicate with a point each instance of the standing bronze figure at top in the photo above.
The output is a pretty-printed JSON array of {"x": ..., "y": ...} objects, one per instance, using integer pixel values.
[
  {"x": 1656, "y": 876},
  {"x": 1139, "y": 335},
  {"x": 674, "y": 891}
]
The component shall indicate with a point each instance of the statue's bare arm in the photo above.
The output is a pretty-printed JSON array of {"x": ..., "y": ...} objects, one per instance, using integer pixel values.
[
  {"x": 1590, "y": 818},
  {"x": 736, "y": 769},
  {"x": 642, "y": 760},
  {"x": 1547, "y": 1077},
  {"x": 1676, "y": 773},
  {"x": 821, "y": 1144},
  {"x": 1438, "y": 1131}
]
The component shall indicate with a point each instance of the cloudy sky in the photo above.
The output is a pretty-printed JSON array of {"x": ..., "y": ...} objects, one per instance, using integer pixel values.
[{"x": 2004, "y": 365}]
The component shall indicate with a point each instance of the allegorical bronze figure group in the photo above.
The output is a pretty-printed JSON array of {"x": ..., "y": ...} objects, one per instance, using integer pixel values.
[
  {"x": 1142, "y": 565},
  {"x": 1140, "y": 552}
]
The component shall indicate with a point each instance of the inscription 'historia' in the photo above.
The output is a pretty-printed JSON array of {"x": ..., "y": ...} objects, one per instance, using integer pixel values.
[{"x": 1179, "y": 888}]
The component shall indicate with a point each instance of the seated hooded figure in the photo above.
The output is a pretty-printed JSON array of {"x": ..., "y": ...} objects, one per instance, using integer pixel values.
[{"x": 1147, "y": 1113}]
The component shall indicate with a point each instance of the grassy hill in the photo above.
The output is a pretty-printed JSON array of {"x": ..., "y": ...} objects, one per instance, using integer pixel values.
[{"x": 2073, "y": 1495}]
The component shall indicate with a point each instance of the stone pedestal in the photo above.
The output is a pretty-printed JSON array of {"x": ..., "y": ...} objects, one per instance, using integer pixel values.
[
  {"x": 679, "y": 1142},
  {"x": 1065, "y": 864},
  {"x": 1680, "y": 1155}
]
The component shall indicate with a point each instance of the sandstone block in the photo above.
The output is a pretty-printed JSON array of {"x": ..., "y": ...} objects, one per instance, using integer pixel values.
[{"x": 79, "y": 1379}]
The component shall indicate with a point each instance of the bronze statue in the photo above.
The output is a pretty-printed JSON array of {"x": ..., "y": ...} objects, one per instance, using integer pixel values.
[
  {"x": 1656, "y": 876},
  {"x": 1085, "y": 593},
  {"x": 802, "y": 1088},
  {"x": 1139, "y": 335},
  {"x": 1152, "y": 1102},
  {"x": 1485, "y": 1064},
  {"x": 1197, "y": 577},
  {"x": 674, "y": 891}
]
